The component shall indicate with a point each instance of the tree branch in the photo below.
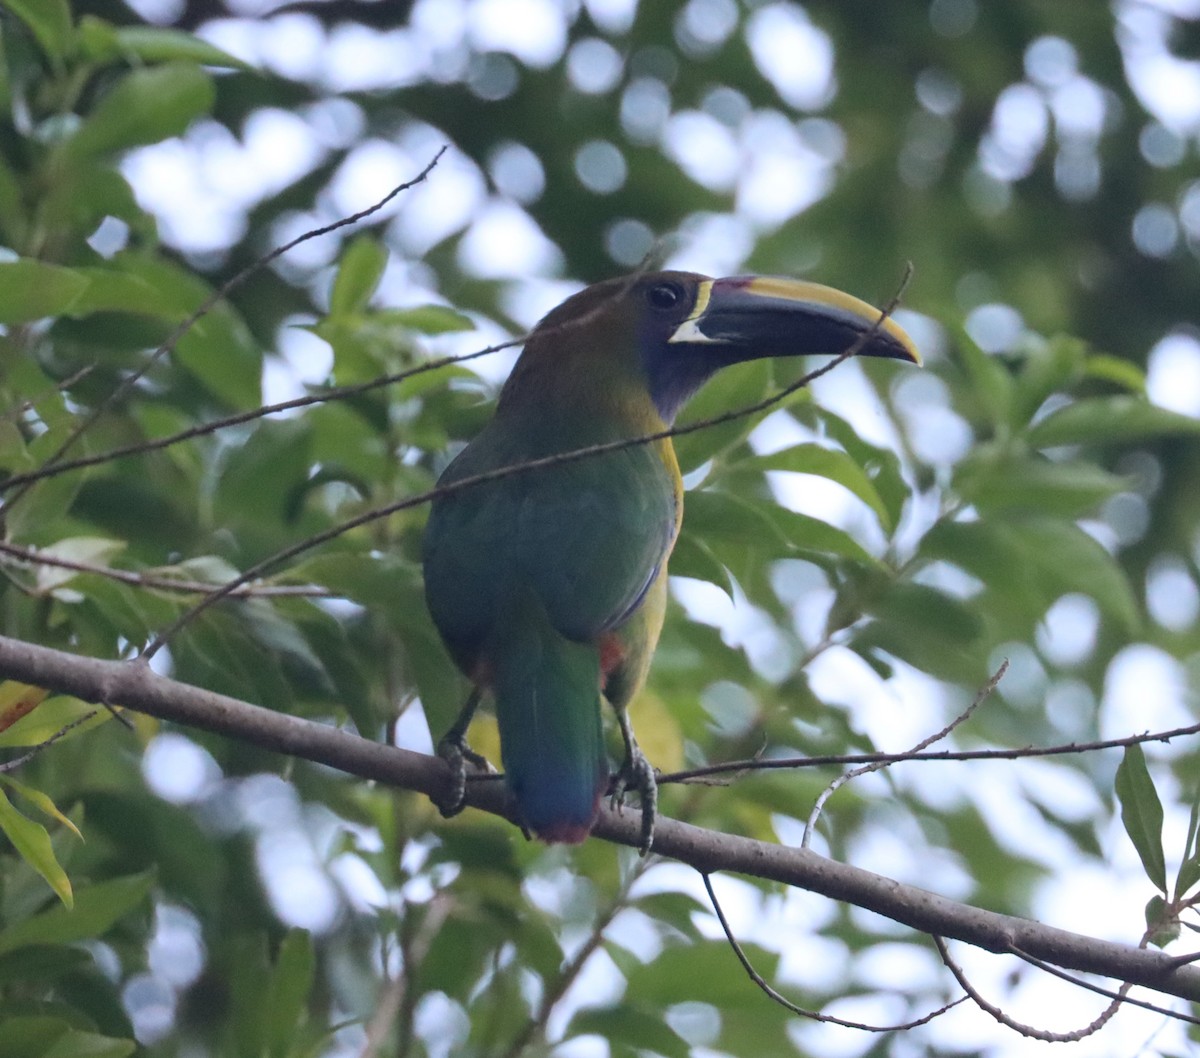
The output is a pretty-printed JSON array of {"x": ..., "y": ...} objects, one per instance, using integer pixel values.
[{"x": 135, "y": 685}]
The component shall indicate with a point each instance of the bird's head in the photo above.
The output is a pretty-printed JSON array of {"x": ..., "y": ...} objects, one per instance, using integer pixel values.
[{"x": 670, "y": 331}]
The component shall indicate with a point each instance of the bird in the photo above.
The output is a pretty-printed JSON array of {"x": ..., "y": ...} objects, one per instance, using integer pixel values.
[{"x": 548, "y": 583}]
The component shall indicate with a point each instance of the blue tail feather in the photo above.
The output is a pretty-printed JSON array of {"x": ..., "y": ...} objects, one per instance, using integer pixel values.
[{"x": 547, "y": 691}]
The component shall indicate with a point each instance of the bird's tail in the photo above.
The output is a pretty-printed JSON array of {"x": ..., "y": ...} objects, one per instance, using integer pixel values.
[{"x": 547, "y": 692}]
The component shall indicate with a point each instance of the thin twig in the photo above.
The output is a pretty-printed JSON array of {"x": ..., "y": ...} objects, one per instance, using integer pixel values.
[
  {"x": 1119, "y": 995},
  {"x": 984, "y": 692},
  {"x": 528, "y": 466},
  {"x": 736, "y": 767},
  {"x": 19, "y": 409},
  {"x": 34, "y": 557},
  {"x": 1045, "y": 1035},
  {"x": 322, "y": 397},
  {"x": 156, "y": 444},
  {"x": 554, "y": 991},
  {"x": 223, "y": 291},
  {"x": 804, "y": 1012},
  {"x": 396, "y": 991},
  {"x": 24, "y": 758}
]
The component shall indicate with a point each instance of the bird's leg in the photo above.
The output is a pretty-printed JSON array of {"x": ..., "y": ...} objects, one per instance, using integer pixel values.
[
  {"x": 453, "y": 749},
  {"x": 636, "y": 773}
]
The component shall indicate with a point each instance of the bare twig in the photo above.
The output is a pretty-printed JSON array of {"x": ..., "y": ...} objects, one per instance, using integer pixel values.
[
  {"x": 33, "y": 557},
  {"x": 21, "y": 407},
  {"x": 556, "y": 989},
  {"x": 984, "y": 692},
  {"x": 399, "y": 988},
  {"x": 156, "y": 444},
  {"x": 1017, "y": 1026},
  {"x": 707, "y": 772},
  {"x": 26, "y": 757},
  {"x": 804, "y": 1012},
  {"x": 1120, "y": 995}
]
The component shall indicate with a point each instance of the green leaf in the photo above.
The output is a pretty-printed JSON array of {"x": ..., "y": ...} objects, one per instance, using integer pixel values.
[
  {"x": 1117, "y": 370},
  {"x": 426, "y": 319},
  {"x": 1108, "y": 420},
  {"x": 1142, "y": 813},
  {"x": 97, "y": 909},
  {"x": 996, "y": 481},
  {"x": 32, "y": 842},
  {"x": 881, "y": 465},
  {"x": 291, "y": 982},
  {"x": 691, "y": 557},
  {"x": 1050, "y": 366},
  {"x": 1189, "y": 869},
  {"x": 641, "y": 1030},
  {"x": 49, "y": 718},
  {"x": 702, "y": 972},
  {"x": 40, "y": 801},
  {"x": 991, "y": 383},
  {"x": 358, "y": 274},
  {"x": 145, "y": 106},
  {"x": 1031, "y": 561},
  {"x": 929, "y": 629},
  {"x": 85, "y": 550},
  {"x": 112, "y": 290},
  {"x": 1161, "y": 924},
  {"x": 24, "y": 1036},
  {"x": 33, "y": 290},
  {"x": 718, "y": 518},
  {"x": 735, "y": 387},
  {"x": 50, "y": 23},
  {"x": 103, "y": 42},
  {"x": 826, "y": 463}
]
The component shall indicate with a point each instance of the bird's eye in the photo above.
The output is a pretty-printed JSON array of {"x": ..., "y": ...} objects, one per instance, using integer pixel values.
[{"x": 664, "y": 296}]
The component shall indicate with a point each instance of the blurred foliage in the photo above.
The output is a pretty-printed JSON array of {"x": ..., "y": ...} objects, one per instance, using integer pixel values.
[{"x": 229, "y": 902}]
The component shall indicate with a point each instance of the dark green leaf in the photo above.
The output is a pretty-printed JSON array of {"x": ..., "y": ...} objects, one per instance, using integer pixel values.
[
  {"x": 291, "y": 982},
  {"x": 32, "y": 290},
  {"x": 995, "y": 482},
  {"x": 692, "y": 558},
  {"x": 1162, "y": 926},
  {"x": 735, "y": 387},
  {"x": 1189, "y": 869},
  {"x": 638, "y": 1029},
  {"x": 928, "y": 629},
  {"x": 1142, "y": 813},
  {"x": 358, "y": 274},
  {"x": 427, "y": 319},
  {"x": 105, "y": 42},
  {"x": 97, "y": 908},
  {"x": 826, "y": 463},
  {"x": 49, "y": 21},
  {"x": 1050, "y": 366},
  {"x": 1110, "y": 420},
  {"x": 145, "y": 106}
]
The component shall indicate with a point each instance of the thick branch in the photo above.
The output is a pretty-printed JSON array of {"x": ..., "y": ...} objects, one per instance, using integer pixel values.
[{"x": 135, "y": 686}]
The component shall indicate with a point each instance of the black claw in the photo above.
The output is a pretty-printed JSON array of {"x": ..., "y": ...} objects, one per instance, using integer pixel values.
[
  {"x": 453, "y": 752},
  {"x": 637, "y": 774},
  {"x": 453, "y": 749}
]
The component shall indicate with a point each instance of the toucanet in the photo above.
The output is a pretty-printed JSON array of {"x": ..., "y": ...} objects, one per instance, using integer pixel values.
[{"x": 549, "y": 585}]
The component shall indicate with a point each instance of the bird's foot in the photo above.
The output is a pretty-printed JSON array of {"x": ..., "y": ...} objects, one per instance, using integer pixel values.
[
  {"x": 453, "y": 749},
  {"x": 638, "y": 774}
]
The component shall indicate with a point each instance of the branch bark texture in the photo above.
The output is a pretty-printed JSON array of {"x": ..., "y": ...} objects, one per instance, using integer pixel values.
[{"x": 135, "y": 685}]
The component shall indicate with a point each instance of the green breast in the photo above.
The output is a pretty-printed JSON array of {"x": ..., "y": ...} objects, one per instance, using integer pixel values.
[{"x": 587, "y": 536}]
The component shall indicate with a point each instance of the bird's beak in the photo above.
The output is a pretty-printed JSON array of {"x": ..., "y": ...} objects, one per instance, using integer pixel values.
[{"x": 758, "y": 316}]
